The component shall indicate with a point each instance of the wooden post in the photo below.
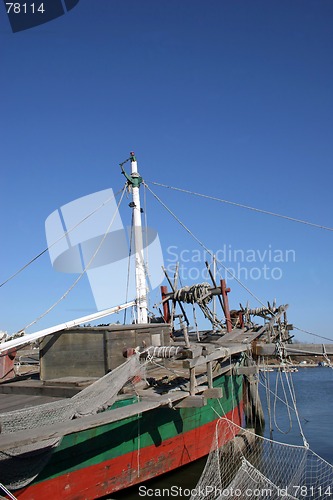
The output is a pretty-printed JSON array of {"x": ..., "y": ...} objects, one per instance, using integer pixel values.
[
  {"x": 186, "y": 337},
  {"x": 210, "y": 375},
  {"x": 192, "y": 381},
  {"x": 224, "y": 292},
  {"x": 166, "y": 305}
]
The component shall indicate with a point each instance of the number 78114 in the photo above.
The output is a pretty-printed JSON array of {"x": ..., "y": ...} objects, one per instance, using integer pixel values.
[{"x": 24, "y": 8}]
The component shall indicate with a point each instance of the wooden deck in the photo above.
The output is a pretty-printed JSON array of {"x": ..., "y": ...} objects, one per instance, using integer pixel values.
[{"x": 11, "y": 402}]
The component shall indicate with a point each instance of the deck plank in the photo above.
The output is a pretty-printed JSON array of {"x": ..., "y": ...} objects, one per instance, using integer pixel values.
[{"x": 11, "y": 402}]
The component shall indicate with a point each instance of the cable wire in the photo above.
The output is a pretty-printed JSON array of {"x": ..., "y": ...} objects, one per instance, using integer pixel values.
[
  {"x": 59, "y": 239},
  {"x": 311, "y": 333},
  {"x": 267, "y": 212},
  {"x": 206, "y": 249}
]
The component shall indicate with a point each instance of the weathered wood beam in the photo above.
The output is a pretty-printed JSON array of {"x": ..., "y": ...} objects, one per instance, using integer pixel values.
[
  {"x": 300, "y": 349},
  {"x": 247, "y": 370},
  {"x": 214, "y": 392},
  {"x": 192, "y": 402},
  {"x": 220, "y": 353}
]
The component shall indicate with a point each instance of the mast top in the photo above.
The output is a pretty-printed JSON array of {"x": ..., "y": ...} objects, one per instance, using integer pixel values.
[{"x": 135, "y": 178}]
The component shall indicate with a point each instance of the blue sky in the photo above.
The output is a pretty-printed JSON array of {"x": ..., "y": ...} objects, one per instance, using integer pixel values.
[{"x": 228, "y": 98}]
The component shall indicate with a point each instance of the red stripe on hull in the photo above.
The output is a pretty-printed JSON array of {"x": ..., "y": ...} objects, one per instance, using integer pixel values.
[{"x": 119, "y": 473}]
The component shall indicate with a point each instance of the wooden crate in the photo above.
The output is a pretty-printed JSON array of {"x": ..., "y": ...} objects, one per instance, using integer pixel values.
[{"x": 94, "y": 351}]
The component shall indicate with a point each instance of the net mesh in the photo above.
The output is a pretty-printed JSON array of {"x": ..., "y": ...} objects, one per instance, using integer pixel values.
[
  {"x": 251, "y": 466},
  {"x": 20, "y": 465}
]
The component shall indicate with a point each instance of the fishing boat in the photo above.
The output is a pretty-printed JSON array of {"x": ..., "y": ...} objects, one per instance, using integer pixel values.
[{"x": 116, "y": 405}]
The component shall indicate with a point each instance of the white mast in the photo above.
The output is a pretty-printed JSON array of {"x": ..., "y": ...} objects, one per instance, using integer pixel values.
[{"x": 140, "y": 275}]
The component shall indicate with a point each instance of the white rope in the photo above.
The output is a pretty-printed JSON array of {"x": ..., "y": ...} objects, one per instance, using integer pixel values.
[
  {"x": 216, "y": 412},
  {"x": 286, "y": 403},
  {"x": 293, "y": 219},
  {"x": 151, "y": 353},
  {"x": 8, "y": 493},
  {"x": 279, "y": 375},
  {"x": 293, "y": 398},
  {"x": 277, "y": 397},
  {"x": 163, "y": 351},
  {"x": 268, "y": 398}
]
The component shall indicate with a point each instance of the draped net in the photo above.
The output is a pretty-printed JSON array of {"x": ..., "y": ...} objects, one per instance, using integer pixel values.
[
  {"x": 20, "y": 465},
  {"x": 252, "y": 466}
]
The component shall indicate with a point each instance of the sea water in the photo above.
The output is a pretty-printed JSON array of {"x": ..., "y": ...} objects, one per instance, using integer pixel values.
[{"x": 314, "y": 402}]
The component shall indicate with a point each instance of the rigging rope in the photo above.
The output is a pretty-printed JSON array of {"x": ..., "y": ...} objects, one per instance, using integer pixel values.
[
  {"x": 268, "y": 398},
  {"x": 293, "y": 398},
  {"x": 279, "y": 375},
  {"x": 293, "y": 219},
  {"x": 314, "y": 334},
  {"x": 59, "y": 239},
  {"x": 206, "y": 249},
  {"x": 274, "y": 394},
  {"x": 175, "y": 286},
  {"x": 84, "y": 270},
  {"x": 284, "y": 401}
]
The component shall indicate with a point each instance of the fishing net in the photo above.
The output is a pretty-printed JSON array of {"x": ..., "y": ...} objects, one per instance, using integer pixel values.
[
  {"x": 20, "y": 465},
  {"x": 251, "y": 466}
]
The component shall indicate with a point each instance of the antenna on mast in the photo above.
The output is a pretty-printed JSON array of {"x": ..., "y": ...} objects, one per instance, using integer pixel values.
[{"x": 135, "y": 180}]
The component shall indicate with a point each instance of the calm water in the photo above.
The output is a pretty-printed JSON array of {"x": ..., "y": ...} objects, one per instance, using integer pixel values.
[{"x": 314, "y": 396}]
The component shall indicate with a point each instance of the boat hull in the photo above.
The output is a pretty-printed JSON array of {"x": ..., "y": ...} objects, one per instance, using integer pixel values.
[{"x": 94, "y": 463}]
